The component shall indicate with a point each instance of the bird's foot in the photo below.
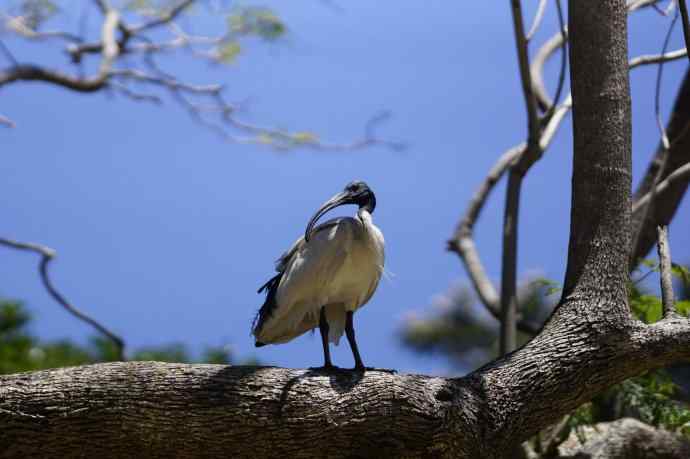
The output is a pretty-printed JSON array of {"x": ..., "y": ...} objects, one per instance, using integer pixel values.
[
  {"x": 362, "y": 369},
  {"x": 328, "y": 367}
]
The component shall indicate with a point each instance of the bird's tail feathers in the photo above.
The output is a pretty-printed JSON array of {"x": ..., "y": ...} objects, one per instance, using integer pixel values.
[{"x": 271, "y": 287}]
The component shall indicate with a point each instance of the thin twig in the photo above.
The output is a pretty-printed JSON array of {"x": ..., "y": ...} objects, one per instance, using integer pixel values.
[
  {"x": 557, "y": 41},
  {"x": 6, "y": 122},
  {"x": 667, "y": 301},
  {"x": 647, "y": 59},
  {"x": 680, "y": 174},
  {"x": 541, "y": 9},
  {"x": 643, "y": 277},
  {"x": 657, "y": 89},
  {"x": 163, "y": 18},
  {"x": 7, "y": 53},
  {"x": 639, "y": 4},
  {"x": 564, "y": 60},
  {"x": 47, "y": 254}
]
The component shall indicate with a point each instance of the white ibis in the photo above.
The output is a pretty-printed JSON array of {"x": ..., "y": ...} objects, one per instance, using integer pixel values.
[{"x": 325, "y": 276}]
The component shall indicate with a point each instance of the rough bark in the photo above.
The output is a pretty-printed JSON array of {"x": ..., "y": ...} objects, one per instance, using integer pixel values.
[
  {"x": 148, "y": 409},
  {"x": 625, "y": 438},
  {"x": 590, "y": 343}
]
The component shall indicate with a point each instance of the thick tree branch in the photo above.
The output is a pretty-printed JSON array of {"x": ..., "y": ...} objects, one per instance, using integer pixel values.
[
  {"x": 623, "y": 439},
  {"x": 669, "y": 175},
  {"x": 148, "y": 409},
  {"x": 590, "y": 343},
  {"x": 47, "y": 255},
  {"x": 686, "y": 22}
]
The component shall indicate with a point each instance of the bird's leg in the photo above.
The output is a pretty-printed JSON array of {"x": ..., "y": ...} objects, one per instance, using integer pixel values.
[
  {"x": 350, "y": 332},
  {"x": 323, "y": 328}
]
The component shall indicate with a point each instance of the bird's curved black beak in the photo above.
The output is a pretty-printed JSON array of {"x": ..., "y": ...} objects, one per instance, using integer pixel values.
[{"x": 339, "y": 199}]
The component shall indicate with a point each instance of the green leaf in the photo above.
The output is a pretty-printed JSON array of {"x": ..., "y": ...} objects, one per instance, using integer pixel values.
[
  {"x": 652, "y": 264},
  {"x": 228, "y": 52},
  {"x": 262, "y": 22},
  {"x": 683, "y": 307},
  {"x": 647, "y": 308},
  {"x": 304, "y": 137},
  {"x": 265, "y": 139},
  {"x": 681, "y": 272}
]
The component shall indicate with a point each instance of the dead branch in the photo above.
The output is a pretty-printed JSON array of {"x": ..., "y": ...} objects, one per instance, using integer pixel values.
[
  {"x": 204, "y": 103},
  {"x": 47, "y": 254},
  {"x": 664, "y": 250}
]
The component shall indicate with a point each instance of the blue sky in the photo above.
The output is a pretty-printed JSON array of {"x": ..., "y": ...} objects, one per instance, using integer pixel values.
[{"x": 164, "y": 232}]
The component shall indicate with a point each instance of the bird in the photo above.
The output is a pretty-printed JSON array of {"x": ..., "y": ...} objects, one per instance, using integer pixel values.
[{"x": 326, "y": 275}]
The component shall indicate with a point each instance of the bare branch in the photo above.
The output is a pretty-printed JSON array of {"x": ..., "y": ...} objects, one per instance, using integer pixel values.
[
  {"x": 664, "y": 250},
  {"x": 462, "y": 241},
  {"x": 686, "y": 25},
  {"x": 538, "y": 17},
  {"x": 508, "y": 336},
  {"x": 657, "y": 90},
  {"x": 110, "y": 47},
  {"x": 561, "y": 72},
  {"x": 509, "y": 302},
  {"x": 6, "y": 122},
  {"x": 557, "y": 41},
  {"x": 165, "y": 18},
  {"x": 204, "y": 103},
  {"x": 134, "y": 95},
  {"x": 648, "y": 210},
  {"x": 525, "y": 78},
  {"x": 647, "y": 59},
  {"x": 639, "y": 4},
  {"x": 679, "y": 175},
  {"x": 30, "y": 72},
  {"x": 7, "y": 53},
  {"x": 47, "y": 254},
  {"x": 18, "y": 25}
]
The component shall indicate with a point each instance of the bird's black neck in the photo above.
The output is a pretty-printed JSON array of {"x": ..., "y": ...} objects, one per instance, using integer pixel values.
[{"x": 370, "y": 204}]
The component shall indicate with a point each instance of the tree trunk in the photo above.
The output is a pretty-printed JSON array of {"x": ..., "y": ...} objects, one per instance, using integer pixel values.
[{"x": 590, "y": 343}]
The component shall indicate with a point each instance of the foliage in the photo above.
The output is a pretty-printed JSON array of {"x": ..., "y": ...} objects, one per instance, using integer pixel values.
[
  {"x": 21, "y": 351},
  {"x": 651, "y": 397},
  {"x": 460, "y": 329},
  {"x": 647, "y": 307},
  {"x": 654, "y": 397}
]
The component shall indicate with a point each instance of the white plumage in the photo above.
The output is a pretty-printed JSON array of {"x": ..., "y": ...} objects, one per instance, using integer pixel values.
[{"x": 327, "y": 277}]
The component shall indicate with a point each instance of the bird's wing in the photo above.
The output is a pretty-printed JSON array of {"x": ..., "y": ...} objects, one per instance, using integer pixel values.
[
  {"x": 282, "y": 262},
  {"x": 293, "y": 256},
  {"x": 301, "y": 290}
]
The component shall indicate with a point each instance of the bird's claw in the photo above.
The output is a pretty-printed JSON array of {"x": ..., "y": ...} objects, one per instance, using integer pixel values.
[
  {"x": 362, "y": 369},
  {"x": 324, "y": 368}
]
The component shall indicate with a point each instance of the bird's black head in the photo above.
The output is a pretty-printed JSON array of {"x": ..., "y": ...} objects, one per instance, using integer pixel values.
[
  {"x": 360, "y": 194},
  {"x": 356, "y": 192}
]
